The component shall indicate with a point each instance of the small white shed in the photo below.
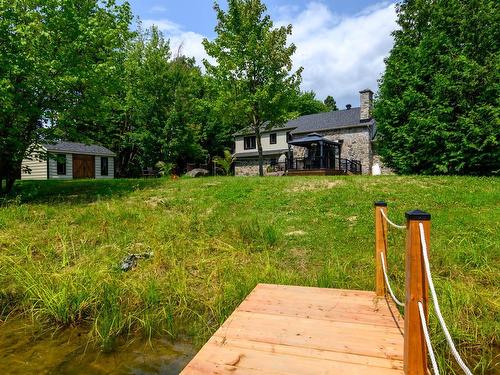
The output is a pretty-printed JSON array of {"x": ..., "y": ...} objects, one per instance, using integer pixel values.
[{"x": 67, "y": 161}]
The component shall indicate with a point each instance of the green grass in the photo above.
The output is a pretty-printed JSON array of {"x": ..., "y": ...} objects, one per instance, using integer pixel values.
[{"x": 214, "y": 239}]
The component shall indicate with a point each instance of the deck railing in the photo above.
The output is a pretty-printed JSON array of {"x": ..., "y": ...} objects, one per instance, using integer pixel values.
[
  {"x": 343, "y": 165},
  {"x": 417, "y": 341}
]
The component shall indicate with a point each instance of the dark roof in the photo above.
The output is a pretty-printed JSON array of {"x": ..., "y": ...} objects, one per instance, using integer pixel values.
[
  {"x": 311, "y": 138},
  {"x": 78, "y": 148},
  {"x": 256, "y": 153},
  {"x": 345, "y": 118}
]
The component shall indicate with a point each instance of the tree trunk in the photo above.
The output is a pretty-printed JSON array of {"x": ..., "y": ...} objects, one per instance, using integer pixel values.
[
  {"x": 11, "y": 175},
  {"x": 10, "y": 184},
  {"x": 259, "y": 149}
]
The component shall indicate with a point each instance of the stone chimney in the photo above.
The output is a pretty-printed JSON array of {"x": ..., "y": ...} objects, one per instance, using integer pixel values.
[{"x": 366, "y": 102}]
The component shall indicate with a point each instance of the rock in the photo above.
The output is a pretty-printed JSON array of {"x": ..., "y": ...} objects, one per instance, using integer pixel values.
[
  {"x": 198, "y": 172},
  {"x": 130, "y": 260}
]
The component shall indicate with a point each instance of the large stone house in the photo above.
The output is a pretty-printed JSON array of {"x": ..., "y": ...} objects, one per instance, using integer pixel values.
[{"x": 327, "y": 143}]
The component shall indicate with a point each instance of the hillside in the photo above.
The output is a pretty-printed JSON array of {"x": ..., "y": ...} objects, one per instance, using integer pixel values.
[{"x": 210, "y": 241}]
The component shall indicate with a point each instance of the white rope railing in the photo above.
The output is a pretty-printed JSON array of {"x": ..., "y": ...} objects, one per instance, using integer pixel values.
[
  {"x": 427, "y": 338},
  {"x": 388, "y": 284},
  {"x": 437, "y": 309},
  {"x": 390, "y": 222}
]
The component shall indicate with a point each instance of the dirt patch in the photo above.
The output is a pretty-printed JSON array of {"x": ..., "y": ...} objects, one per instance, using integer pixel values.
[
  {"x": 301, "y": 257},
  {"x": 314, "y": 185},
  {"x": 296, "y": 233},
  {"x": 217, "y": 183},
  {"x": 155, "y": 201}
]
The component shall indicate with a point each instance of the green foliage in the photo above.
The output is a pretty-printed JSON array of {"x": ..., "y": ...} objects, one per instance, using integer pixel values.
[
  {"x": 156, "y": 113},
  {"x": 438, "y": 110},
  {"x": 225, "y": 163},
  {"x": 213, "y": 240},
  {"x": 56, "y": 62},
  {"x": 305, "y": 103},
  {"x": 252, "y": 75},
  {"x": 330, "y": 103},
  {"x": 164, "y": 169},
  {"x": 110, "y": 320}
]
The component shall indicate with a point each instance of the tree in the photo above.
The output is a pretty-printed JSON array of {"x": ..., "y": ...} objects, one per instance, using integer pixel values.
[
  {"x": 330, "y": 103},
  {"x": 439, "y": 99},
  {"x": 253, "y": 73},
  {"x": 155, "y": 114},
  {"x": 53, "y": 56},
  {"x": 305, "y": 103},
  {"x": 147, "y": 99}
]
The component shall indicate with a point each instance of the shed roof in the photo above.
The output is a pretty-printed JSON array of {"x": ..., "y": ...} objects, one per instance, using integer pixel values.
[{"x": 78, "y": 148}]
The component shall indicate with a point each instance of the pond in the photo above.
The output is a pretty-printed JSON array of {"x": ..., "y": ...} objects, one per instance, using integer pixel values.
[{"x": 27, "y": 350}]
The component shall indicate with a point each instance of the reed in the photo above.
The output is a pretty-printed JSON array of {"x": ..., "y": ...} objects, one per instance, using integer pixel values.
[{"x": 214, "y": 239}]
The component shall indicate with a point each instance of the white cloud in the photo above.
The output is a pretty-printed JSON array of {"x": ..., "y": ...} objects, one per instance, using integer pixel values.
[
  {"x": 186, "y": 42},
  {"x": 163, "y": 24},
  {"x": 342, "y": 54},
  {"x": 158, "y": 9}
]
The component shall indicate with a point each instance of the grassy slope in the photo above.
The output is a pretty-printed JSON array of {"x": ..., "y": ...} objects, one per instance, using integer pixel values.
[{"x": 213, "y": 239}]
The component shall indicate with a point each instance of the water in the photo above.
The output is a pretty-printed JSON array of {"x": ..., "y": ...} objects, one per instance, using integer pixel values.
[{"x": 25, "y": 350}]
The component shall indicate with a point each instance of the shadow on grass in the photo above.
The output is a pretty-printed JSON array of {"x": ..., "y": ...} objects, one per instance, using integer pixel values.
[{"x": 75, "y": 191}]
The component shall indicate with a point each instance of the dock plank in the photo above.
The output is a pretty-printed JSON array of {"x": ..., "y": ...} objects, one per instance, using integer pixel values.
[{"x": 302, "y": 330}]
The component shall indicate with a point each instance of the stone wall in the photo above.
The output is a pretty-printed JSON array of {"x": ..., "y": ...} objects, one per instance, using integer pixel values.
[
  {"x": 366, "y": 104},
  {"x": 357, "y": 145},
  {"x": 250, "y": 167}
]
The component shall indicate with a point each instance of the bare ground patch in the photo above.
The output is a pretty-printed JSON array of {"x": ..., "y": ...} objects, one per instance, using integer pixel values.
[{"x": 314, "y": 185}]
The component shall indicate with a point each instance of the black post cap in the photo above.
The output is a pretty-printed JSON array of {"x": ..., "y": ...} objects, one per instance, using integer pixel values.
[
  {"x": 380, "y": 204},
  {"x": 418, "y": 215}
]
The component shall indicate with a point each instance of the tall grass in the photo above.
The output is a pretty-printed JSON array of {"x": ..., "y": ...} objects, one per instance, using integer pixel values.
[{"x": 214, "y": 239}]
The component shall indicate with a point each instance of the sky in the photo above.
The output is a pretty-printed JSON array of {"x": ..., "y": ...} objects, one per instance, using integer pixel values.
[{"x": 341, "y": 44}]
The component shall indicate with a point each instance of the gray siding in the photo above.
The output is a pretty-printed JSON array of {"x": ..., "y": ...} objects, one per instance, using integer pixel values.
[
  {"x": 69, "y": 169},
  {"x": 111, "y": 167},
  {"x": 38, "y": 169}
]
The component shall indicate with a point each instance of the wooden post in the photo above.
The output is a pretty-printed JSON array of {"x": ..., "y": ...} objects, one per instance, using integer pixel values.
[
  {"x": 415, "y": 350},
  {"x": 380, "y": 247}
]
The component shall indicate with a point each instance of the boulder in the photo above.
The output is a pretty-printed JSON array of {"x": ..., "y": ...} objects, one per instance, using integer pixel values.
[{"x": 198, "y": 172}]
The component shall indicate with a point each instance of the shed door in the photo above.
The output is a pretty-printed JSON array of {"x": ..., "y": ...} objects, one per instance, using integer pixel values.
[{"x": 83, "y": 166}]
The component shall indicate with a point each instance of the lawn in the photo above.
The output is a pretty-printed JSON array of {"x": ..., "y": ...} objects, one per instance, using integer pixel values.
[{"x": 212, "y": 240}]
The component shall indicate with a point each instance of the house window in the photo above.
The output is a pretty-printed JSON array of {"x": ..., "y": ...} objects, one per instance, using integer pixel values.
[
  {"x": 250, "y": 143},
  {"x": 61, "y": 165},
  {"x": 288, "y": 137},
  {"x": 273, "y": 162},
  {"x": 272, "y": 139},
  {"x": 104, "y": 166}
]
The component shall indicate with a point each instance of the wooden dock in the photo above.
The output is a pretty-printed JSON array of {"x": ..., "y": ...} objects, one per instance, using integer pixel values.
[
  {"x": 301, "y": 330},
  {"x": 282, "y": 330}
]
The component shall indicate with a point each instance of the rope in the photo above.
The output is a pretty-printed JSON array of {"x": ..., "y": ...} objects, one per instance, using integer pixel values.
[
  {"x": 388, "y": 284},
  {"x": 436, "y": 303},
  {"x": 390, "y": 222},
  {"x": 427, "y": 338}
]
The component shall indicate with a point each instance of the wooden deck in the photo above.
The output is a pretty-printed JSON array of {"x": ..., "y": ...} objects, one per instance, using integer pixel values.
[{"x": 299, "y": 330}]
